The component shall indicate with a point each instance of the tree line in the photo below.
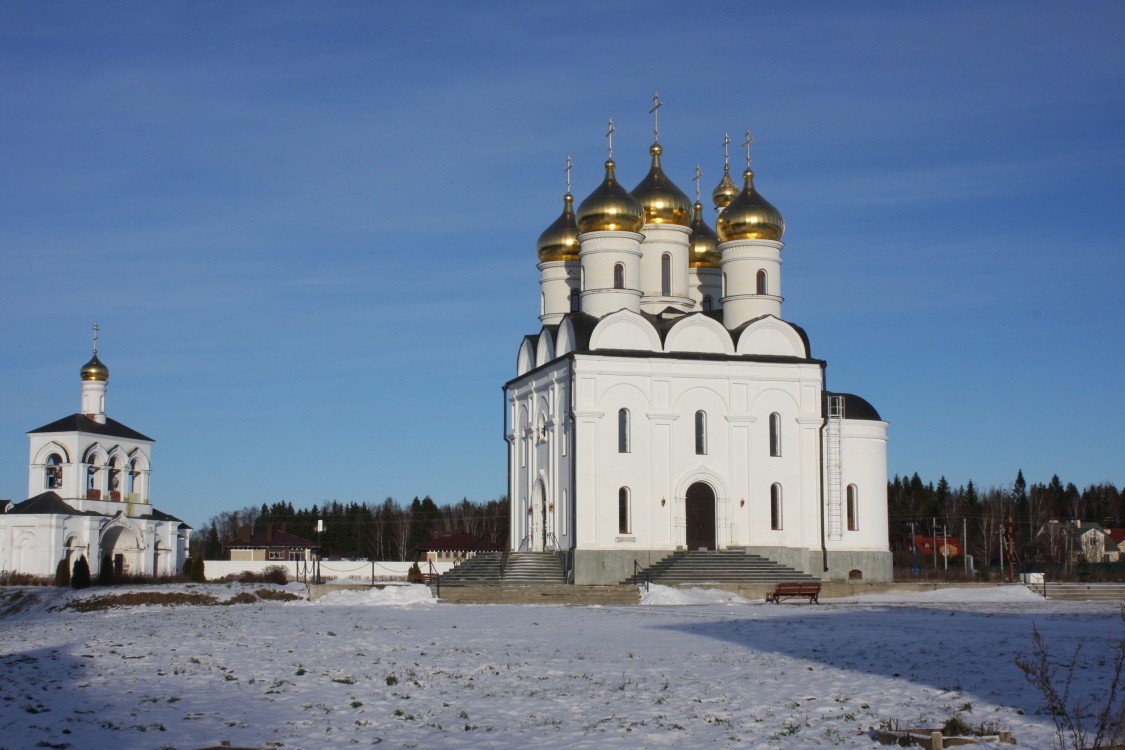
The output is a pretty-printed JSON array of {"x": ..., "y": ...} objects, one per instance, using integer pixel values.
[
  {"x": 376, "y": 531},
  {"x": 999, "y": 521}
]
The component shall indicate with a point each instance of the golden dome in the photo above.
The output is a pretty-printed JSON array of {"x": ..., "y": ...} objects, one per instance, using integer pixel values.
[
  {"x": 560, "y": 240},
  {"x": 703, "y": 247},
  {"x": 750, "y": 216},
  {"x": 610, "y": 207},
  {"x": 95, "y": 370},
  {"x": 725, "y": 191},
  {"x": 662, "y": 201}
]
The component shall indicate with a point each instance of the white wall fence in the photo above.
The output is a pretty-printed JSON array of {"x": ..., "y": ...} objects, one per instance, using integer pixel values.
[{"x": 330, "y": 570}]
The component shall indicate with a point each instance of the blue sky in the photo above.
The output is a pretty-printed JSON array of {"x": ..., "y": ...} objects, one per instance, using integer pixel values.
[{"x": 307, "y": 230}]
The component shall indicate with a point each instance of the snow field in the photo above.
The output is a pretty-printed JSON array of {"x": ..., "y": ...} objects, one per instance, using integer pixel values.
[{"x": 395, "y": 667}]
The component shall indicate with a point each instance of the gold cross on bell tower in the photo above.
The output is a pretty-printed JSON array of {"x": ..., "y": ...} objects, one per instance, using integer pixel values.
[{"x": 96, "y": 329}]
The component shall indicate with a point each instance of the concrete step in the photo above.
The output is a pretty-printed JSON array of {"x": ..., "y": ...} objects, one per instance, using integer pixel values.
[
  {"x": 720, "y": 566},
  {"x": 1107, "y": 592},
  {"x": 559, "y": 593}
]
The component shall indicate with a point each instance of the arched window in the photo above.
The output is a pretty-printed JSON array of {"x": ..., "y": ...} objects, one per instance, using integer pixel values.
[
  {"x": 853, "y": 508},
  {"x": 623, "y": 510},
  {"x": 665, "y": 275},
  {"x": 574, "y": 300},
  {"x": 707, "y": 303},
  {"x": 761, "y": 282},
  {"x": 133, "y": 476},
  {"x": 622, "y": 430},
  {"x": 775, "y": 507},
  {"x": 114, "y": 479},
  {"x": 92, "y": 475},
  {"x": 775, "y": 434},
  {"x": 619, "y": 276},
  {"x": 701, "y": 433},
  {"x": 53, "y": 473}
]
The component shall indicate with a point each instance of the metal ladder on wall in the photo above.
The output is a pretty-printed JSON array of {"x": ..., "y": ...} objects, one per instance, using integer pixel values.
[{"x": 835, "y": 466}]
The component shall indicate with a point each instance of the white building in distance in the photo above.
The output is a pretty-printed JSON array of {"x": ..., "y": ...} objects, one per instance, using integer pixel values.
[
  {"x": 88, "y": 483},
  {"x": 665, "y": 404}
]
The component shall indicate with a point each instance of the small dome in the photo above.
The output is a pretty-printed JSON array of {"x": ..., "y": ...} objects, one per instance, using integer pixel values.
[
  {"x": 610, "y": 208},
  {"x": 560, "y": 240},
  {"x": 95, "y": 370},
  {"x": 725, "y": 191},
  {"x": 663, "y": 202},
  {"x": 703, "y": 247},
  {"x": 750, "y": 216}
]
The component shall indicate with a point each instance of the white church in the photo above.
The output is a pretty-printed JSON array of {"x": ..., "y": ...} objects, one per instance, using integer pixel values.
[
  {"x": 666, "y": 404},
  {"x": 88, "y": 483}
]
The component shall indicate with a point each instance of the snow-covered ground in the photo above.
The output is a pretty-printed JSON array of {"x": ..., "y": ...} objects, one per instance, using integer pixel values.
[{"x": 695, "y": 668}]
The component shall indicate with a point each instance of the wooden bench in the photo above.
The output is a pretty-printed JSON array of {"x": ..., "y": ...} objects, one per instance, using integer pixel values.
[{"x": 808, "y": 589}]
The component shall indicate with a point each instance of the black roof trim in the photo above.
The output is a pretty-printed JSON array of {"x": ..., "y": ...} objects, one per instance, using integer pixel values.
[
  {"x": 48, "y": 504},
  {"x": 82, "y": 423}
]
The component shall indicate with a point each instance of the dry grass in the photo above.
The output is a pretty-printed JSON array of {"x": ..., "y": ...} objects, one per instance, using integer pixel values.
[
  {"x": 138, "y": 598},
  {"x": 274, "y": 595}
]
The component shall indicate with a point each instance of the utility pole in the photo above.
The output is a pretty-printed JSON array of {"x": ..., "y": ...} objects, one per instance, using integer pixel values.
[
  {"x": 913, "y": 552},
  {"x": 965, "y": 543},
  {"x": 933, "y": 525},
  {"x": 1001, "y": 551},
  {"x": 945, "y": 546}
]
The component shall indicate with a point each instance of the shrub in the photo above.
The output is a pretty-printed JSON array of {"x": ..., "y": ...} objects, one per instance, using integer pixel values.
[
  {"x": 414, "y": 575},
  {"x": 80, "y": 575},
  {"x": 62, "y": 574},
  {"x": 105, "y": 572},
  {"x": 199, "y": 575}
]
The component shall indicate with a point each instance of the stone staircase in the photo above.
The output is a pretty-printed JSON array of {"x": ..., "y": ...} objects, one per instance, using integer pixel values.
[
  {"x": 1101, "y": 592},
  {"x": 721, "y": 566},
  {"x": 540, "y": 593},
  {"x": 520, "y": 568}
]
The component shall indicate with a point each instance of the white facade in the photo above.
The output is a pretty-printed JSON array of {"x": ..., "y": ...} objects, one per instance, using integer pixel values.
[
  {"x": 635, "y": 430},
  {"x": 89, "y": 495}
]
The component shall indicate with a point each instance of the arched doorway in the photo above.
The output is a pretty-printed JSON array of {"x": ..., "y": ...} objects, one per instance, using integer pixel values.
[{"x": 699, "y": 507}]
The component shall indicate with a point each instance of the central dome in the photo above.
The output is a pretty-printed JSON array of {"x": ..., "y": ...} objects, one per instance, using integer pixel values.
[
  {"x": 750, "y": 216},
  {"x": 662, "y": 201},
  {"x": 560, "y": 240},
  {"x": 610, "y": 208}
]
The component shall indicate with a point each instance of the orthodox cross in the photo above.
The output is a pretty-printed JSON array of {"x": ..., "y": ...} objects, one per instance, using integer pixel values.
[
  {"x": 746, "y": 143},
  {"x": 726, "y": 152},
  {"x": 609, "y": 135},
  {"x": 569, "y": 165},
  {"x": 656, "y": 105},
  {"x": 698, "y": 176},
  {"x": 96, "y": 329}
]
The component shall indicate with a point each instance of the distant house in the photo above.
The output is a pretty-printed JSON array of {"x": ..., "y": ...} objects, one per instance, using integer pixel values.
[
  {"x": 271, "y": 544},
  {"x": 946, "y": 545},
  {"x": 1082, "y": 540},
  {"x": 460, "y": 546}
]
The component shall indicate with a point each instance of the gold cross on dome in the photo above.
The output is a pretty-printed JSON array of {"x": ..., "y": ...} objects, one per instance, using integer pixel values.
[
  {"x": 746, "y": 143},
  {"x": 609, "y": 135},
  {"x": 698, "y": 176},
  {"x": 96, "y": 329},
  {"x": 656, "y": 105},
  {"x": 726, "y": 152},
  {"x": 569, "y": 165}
]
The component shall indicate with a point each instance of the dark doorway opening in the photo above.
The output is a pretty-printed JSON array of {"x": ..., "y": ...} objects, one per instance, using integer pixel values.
[{"x": 700, "y": 510}]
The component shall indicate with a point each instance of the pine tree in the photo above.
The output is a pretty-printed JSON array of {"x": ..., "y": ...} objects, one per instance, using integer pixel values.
[
  {"x": 80, "y": 576},
  {"x": 62, "y": 573}
]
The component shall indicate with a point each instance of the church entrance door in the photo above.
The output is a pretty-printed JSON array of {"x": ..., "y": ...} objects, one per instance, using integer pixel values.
[{"x": 700, "y": 510}]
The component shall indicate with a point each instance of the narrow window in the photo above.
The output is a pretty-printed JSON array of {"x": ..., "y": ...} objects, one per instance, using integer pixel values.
[
  {"x": 619, "y": 276},
  {"x": 623, "y": 510},
  {"x": 665, "y": 275},
  {"x": 761, "y": 282},
  {"x": 853, "y": 509},
  {"x": 91, "y": 476},
  {"x": 53, "y": 474},
  {"x": 724, "y": 283},
  {"x": 542, "y": 304},
  {"x": 622, "y": 430},
  {"x": 775, "y": 507},
  {"x": 707, "y": 303},
  {"x": 775, "y": 434},
  {"x": 701, "y": 433},
  {"x": 574, "y": 300},
  {"x": 114, "y": 480}
]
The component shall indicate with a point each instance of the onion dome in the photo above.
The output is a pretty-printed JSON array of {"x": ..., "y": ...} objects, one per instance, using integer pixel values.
[
  {"x": 725, "y": 191},
  {"x": 95, "y": 370},
  {"x": 750, "y": 216},
  {"x": 663, "y": 202},
  {"x": 610, "y": 208},
  {"x": 703, "y": 246},
  {"x": 560, "y": 240}
]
